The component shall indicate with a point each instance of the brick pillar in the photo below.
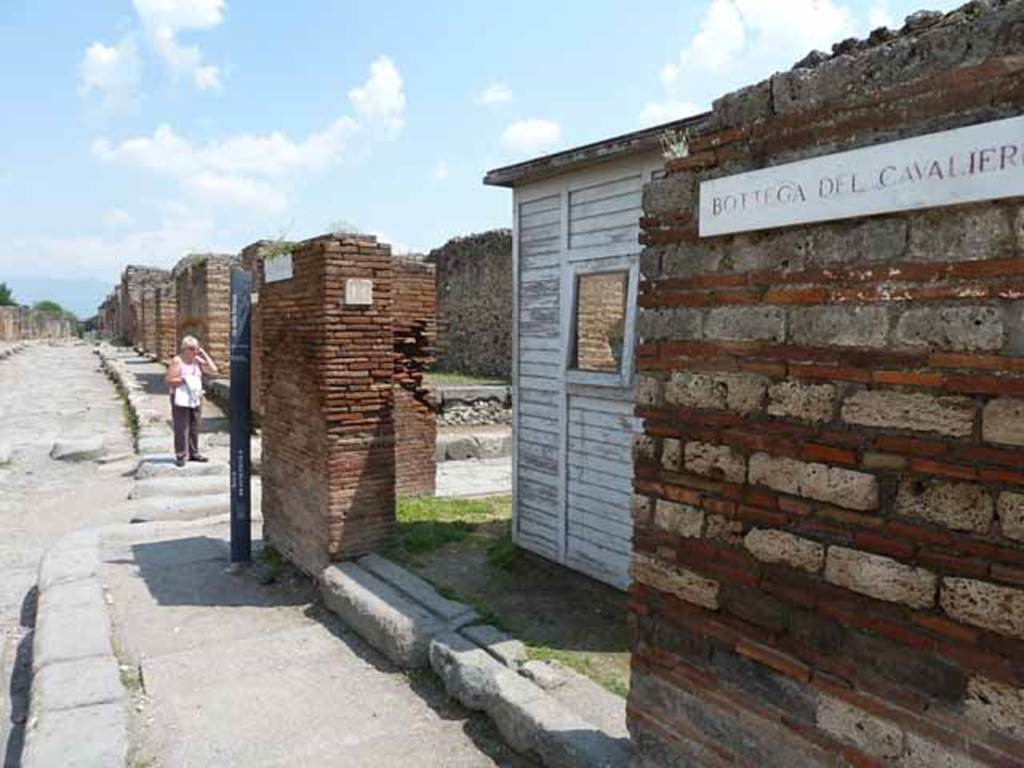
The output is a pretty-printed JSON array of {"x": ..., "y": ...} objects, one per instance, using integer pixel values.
[
  {"x": 415, "y": 417},
  {"x": 328, "y": 436}
]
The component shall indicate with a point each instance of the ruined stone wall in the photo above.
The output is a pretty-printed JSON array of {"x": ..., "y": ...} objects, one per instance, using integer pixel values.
[
  {"x": 147, "y": 307},
  {"x": 24, "y": 324},
  {"x": 134, "y": 280},
  {"x": 415, "y": 415},
  {"x": 474, "y": 304},
  {"x": 166, "y": 303},
  {"x": 829, "y": 509},
  {"x": 328, "y": 435},
  {"x": 203, "y": 295}
]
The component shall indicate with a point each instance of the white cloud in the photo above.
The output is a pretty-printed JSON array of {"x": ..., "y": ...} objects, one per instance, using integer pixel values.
[
  {"x": 255, "y": 170},
  {"x": 112, "y": 72},
  {"x": 495, "y": 93},
  {"x": 657, "y": 112},
  {"x": 743, "y": 41},
  {"x": 117, "y": 217},
  {"x": 179, "y": 231},
  {"x": 163, "y": 20},
  {"x": 880, "y": 15},
  {"x": 381, "y": 100},
  {"x": 530, "y": 136},
  {"x": 441, "y": 172}
]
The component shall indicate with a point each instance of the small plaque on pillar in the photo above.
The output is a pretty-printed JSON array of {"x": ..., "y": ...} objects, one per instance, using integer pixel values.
[{"x": 358, "y": 292}]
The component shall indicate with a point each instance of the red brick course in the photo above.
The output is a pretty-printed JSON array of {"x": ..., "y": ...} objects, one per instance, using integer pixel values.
[
  {"x": 883, "y": 459},
  {"x": 328, "y": 431}
]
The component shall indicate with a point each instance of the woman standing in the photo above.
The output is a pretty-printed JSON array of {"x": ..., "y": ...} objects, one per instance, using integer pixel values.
[{"x": 185, "y": 382}]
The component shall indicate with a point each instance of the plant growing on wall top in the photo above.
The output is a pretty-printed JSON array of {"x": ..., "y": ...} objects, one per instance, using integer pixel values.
[{"x": 675, "y": 145}]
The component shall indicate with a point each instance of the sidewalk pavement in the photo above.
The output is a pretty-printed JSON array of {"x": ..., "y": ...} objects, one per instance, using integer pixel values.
[{"x": 242, "y": 666}]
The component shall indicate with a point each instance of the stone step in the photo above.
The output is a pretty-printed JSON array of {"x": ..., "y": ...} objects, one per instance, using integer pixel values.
[
  {"x": 388, "y": 615},
  {"x": 181, "y": 485},
  {"x": 190, "y": 507},
  {"x": 164, "y": 466},
  {"x": 531, "y": 720}
]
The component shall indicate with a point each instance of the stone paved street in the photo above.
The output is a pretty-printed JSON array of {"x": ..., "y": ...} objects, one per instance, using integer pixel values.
[
  {"x": 229, "y": 667},
  {"x": 47, "y": 393}
]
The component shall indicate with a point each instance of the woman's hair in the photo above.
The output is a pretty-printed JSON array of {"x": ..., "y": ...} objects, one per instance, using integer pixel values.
[{"x": 189, "y": 341}]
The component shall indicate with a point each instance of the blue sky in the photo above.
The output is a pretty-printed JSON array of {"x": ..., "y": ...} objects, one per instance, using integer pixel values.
[{"x": 136, "y": 131}]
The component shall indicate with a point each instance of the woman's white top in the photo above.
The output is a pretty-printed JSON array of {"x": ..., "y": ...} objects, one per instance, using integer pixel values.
[{"x": 189, "y": 394}]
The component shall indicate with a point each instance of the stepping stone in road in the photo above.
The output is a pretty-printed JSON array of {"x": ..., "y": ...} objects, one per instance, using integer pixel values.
[{"x": 78, "y": 450}]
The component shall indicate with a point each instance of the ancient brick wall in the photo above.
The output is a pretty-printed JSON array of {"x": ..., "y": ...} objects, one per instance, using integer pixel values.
[
  {"x": 328, "y": 436},
  {"x": 474, "y": 304},
  {"x": 166, "y": 304},
  {"x": 203, "y": 295},
  {"x": 415, "y": 414},
  {"x": 829, "y": 509}
]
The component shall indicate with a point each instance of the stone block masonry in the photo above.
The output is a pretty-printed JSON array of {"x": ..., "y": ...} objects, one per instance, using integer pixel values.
[
  {"x": 415, "y": 415},
  {"x": 474, "y": 304},
  {"x": 134, "y": 281},
  {"x": 203, "y": 294},
  {"x": 24, "y": 324},
  {"x": 829, "y": 513},
  {"x": 328, "y": 433}
]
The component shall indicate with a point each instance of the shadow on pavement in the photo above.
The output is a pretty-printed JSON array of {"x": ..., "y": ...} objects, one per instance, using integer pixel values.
[
  {"x": 197, "y": 571},
  {"x": 21, "y": 679}
]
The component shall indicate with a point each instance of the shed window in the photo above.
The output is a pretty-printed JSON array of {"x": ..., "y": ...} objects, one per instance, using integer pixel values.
[{"x": 600, "y": 321}]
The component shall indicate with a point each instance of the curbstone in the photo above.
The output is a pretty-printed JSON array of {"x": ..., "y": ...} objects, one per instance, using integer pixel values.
[
  {"x": 79, "y": 683},
  {"x": 83, "y": 737},
  {"x": 61, "y": 565},
  {"x": 530, "y": 720},
  {"x": 501, "y": 645},
  {"x": 388, "y": 620},
  {"x": 455, "y": 613},
  {"x": 71, "y": 633},
  {"x": 79, "y": 717}
]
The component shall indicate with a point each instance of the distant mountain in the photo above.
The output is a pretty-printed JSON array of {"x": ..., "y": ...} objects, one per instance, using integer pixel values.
[{"x": 82, "y": 297}]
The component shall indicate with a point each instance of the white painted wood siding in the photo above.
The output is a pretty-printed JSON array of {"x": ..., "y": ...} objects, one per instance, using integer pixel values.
[
  {"x": 573, "y": 467},
  {"x": 537, "y": 522}
]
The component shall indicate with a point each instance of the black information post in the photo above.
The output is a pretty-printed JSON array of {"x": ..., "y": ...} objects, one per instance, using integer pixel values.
[{"x": 241, "y": 454}]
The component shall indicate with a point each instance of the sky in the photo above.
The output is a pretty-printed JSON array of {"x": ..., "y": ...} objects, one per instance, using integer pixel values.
[{"x": 137, "y": 131}]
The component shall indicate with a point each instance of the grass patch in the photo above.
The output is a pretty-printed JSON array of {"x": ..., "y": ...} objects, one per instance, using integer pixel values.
[
  {"x": 501, "y": 552},
  {"x": 273, "y": 565},
  {"x": 582, "y": 663},
  {"x": 424, "y": 524},
  {"x": 441, "y": 378}
]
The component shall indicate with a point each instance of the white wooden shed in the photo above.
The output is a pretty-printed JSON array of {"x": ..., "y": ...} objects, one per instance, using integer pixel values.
[{"x": 575, "y": 260}]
